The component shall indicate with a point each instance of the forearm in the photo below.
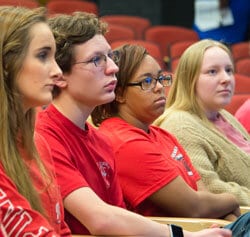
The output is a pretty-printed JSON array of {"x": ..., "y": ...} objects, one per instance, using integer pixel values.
[
  {"x": 216, "y": 185},
  {"x": 120, "y": 222},
  {"x": 101, "y": 218},
  {"x": 217, "y": 205}
]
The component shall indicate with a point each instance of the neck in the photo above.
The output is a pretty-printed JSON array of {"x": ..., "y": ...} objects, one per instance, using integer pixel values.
[
  {"x": 76, "y": 113},
  {"x": 134, "y": 121},
  {"x": 212, "y": 115}
]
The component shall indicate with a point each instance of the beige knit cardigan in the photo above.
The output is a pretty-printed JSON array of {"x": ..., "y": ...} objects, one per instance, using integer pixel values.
[{"x": 223, "y": 166}]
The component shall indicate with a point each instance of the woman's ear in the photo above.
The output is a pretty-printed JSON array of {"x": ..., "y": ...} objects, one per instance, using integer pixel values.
[{"x": 120, "y": 97}]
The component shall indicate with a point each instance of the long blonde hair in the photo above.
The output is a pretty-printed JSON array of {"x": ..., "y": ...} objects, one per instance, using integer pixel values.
[
  {"x": 182, "y": 94},
  {"x": 17, "y": 127}
]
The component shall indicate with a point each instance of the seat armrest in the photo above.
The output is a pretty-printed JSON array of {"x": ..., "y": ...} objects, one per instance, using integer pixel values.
[
  {"x": 190, "y": 224},
  {"x": 244, "y": 209}
]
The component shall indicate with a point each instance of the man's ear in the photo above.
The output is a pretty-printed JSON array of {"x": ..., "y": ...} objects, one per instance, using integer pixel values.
[{"x": 61, "y": 82}]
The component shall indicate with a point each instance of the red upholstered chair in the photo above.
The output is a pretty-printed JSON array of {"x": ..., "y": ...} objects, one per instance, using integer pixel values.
[
  {"x": 174, "y": 63},
  {"x": 22, "y": 3},
  {"x": 137, "y": 23},
  {"x": 241, "y": 50},
  {"x": 242, "y": 66},
  {"x": 68, "y": 7},
  {"x": 168, "y": 34},
  {"x": 236, "y": 102},
  {"x": 152, "y": 48},
  {"x": 242, "y": 84},
  {"x": 176, "y": 49},
  {"x": 118, "y": 32}
]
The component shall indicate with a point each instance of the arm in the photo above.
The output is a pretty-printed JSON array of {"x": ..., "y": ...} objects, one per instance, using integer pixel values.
[
  {"x": 203, "y": 159},
  {"x": 207, "y": 155},
  {"x": 231, "y": 216},
  {"x": 103, "y": 219},
  {"x": 55, "y": 212},
  {"x": 17, "y": 216},
  {"x": 186, "y": 202},
  {"x": 166, "y": 178}
]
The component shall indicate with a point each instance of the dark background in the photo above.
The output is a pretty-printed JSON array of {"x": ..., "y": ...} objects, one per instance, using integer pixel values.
[{"x": 160, "y": 12}]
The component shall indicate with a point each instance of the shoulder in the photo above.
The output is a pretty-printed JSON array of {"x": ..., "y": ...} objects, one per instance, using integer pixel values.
[
  {"x": 234, "y": 122},
  {"x": 116, "y": 127},
  {"x": 176, "y": 118},
  {"x": 230, "y": 118},
  {"x": 41, "y": 143}
]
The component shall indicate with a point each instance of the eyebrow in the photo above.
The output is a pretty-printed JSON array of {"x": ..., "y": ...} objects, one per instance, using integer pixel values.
[
  {"x": 48, "y": 48},
  {"x": 151, "y": 74},
  {"x": 101, "y": 52}
]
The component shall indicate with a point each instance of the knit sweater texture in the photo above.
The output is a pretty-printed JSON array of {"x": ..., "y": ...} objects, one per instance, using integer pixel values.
[{"x": 223, "y": 166}]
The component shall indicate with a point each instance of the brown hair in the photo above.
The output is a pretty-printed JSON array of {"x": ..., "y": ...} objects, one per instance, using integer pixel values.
[
  {"x": 71, "y": 30},
  {"x": 131, "y": 57},
  {"x": 17, "y": 128}
]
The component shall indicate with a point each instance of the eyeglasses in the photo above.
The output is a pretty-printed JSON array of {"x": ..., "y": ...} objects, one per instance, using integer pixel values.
[
  {"x": 149, "y": 83},
  {"x": 101, "y": 60}
]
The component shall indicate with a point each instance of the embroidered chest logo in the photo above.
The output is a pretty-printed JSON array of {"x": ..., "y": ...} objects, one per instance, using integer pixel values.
[
  {"x": 105, "y": 170},
  {"x": 179, "y": 157}
]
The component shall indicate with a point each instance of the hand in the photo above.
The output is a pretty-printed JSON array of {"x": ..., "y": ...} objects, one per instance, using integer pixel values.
[
  {"x": 237, "y": 212},
  {"x": 233, "y": 216},
  {"x": 230, "y": 217},
  {"x": 213, "y": 232}
]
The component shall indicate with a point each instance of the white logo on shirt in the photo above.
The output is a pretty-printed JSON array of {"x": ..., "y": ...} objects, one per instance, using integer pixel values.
[
  {"x": 105, "y": 169},
  {"x": 176, "y": 155},
  {"x": 16, "y": 219}
]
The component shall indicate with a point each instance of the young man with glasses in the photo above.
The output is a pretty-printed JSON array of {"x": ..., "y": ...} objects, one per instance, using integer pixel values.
[{"x": 83, "y": 157}]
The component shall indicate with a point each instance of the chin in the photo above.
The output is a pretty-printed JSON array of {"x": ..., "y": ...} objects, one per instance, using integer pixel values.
[
  {"x": 46, "y": 101},
  {"x": 226, "y": 102},
  {"x": 109, "y": 99}
]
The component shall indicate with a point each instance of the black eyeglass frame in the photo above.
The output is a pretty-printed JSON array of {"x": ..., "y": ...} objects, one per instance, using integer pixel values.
[
  {"x": 113, "y": 55},
  {"x": 160, "y": 79}
]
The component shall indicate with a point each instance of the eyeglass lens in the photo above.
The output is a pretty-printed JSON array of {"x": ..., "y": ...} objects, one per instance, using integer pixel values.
[
  {"x": 100, "y": 61},
  {"x": 150, "y": 83}
]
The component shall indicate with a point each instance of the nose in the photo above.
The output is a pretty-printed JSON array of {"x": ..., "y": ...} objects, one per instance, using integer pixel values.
[
  {"x": 111, "y": 66},
  {"x": 158, "y": 85},
  {"x": 226, "y": 77},
  {"x": 56, "y": 71}
]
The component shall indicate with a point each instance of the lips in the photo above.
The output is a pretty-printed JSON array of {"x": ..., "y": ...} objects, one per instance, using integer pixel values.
[
  {"x": 225, "y": 91},
  {"x": 161, "y": 99},
  {"x": 111, "y": 85}
]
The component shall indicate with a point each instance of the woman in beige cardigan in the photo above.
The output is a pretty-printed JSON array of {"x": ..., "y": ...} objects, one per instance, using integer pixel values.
[{"x": 217, "y": 144}]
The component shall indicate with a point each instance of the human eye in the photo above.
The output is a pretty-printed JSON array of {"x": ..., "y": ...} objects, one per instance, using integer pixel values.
[
  {"x": 212, "y": 72},
  {"x": 162, "y": 78},
  {"x": 96, "y": 59},
  {"x": 114, "y": 55},
  {"x": 42, "y": 55},
  {"x": 111, "y": 55},
  {"x": 147, "y": 81},
  {"x": 166, "y": 80},
  {"x": 230, "y": 70}
]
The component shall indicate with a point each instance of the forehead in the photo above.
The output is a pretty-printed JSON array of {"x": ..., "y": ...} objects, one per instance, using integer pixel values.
[
  {"x": 215, "y": 55},
  {"x": 148, "y": 66},
  {"x": 41, "y": 34},
  {"x": 97, "y": 44}
]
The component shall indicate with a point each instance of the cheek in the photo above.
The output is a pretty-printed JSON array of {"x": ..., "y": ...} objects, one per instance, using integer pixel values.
[
  {"x": 233, "y": 84},
  {"x": 33, "y": 73},
  {"x": 205, "y": 87}
]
